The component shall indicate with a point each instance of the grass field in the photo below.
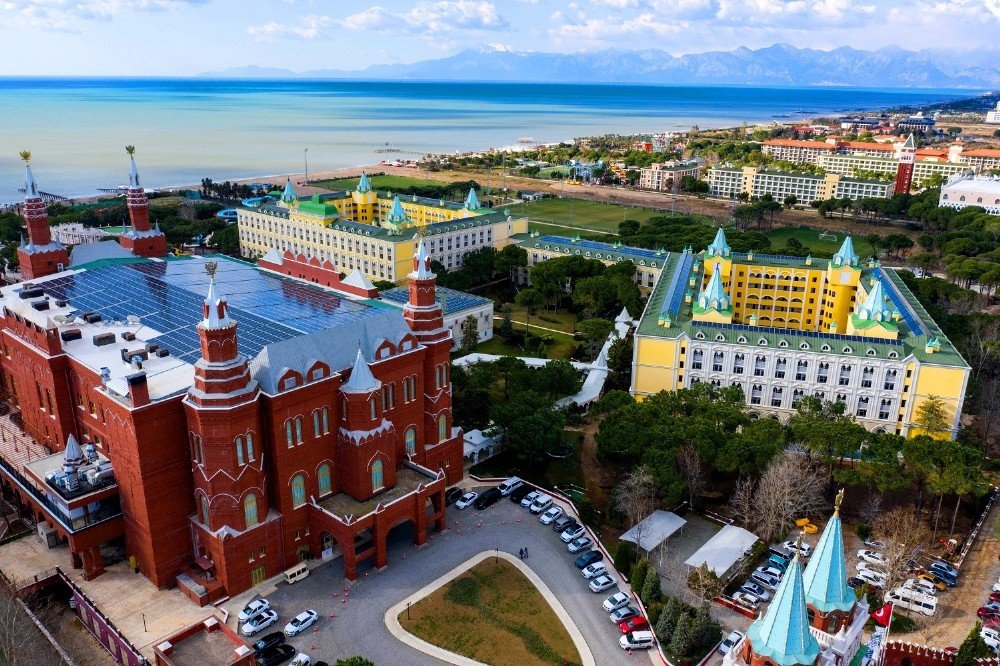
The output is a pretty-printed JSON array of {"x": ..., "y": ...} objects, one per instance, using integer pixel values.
[
  {"x": 820, "y": 247},
  {"x": 558, "y": 230},
  {"x": 562, "y": 345},
  {"x": 583, "y": 214},
  {"x": 493, "y": 614},
  {"x": 378, "y": 182}
]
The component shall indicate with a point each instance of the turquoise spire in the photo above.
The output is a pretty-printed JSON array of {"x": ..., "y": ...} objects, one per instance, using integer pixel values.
[
  {"x": 825, "y": 577},
  {"x": 397, "y": 215},
  {"x": 846, "y": 256},
  {"x": 364, "y": 185},
  {"x": 782, "y": 635},
  {"x": 472, "y": 201},
  {"x": 719, "y": 246},
  {"x": 875, "y": 306},
  {"x": 714, "y": 296},
  {"x": 288, "y": 196}
]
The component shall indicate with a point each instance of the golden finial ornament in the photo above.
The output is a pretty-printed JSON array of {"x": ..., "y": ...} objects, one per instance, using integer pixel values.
[
  {"x": 26, "y": 156},
  {"x": 837, "y": 501},
  {"x": 130, "y": 150},
  {"x": 210, "y": 268}
]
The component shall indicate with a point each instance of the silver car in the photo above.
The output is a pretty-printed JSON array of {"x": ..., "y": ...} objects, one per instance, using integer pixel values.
[
  {"x": 602, "y": 583},
  {"x": 573, "y": 533},
  {"x": 616, "y": 601},
  {"x": 623, "y": 613},
  {"x": 583, "y": 543}
]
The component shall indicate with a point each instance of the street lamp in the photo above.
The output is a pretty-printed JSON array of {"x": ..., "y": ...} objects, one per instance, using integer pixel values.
[
  {"x": 305, "y": 154},
  {"x": 496, "y": 558}
]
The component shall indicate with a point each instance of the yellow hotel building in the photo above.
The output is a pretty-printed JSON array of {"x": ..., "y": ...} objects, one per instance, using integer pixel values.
[
  {"x": 783, "y": 328},
  {"x": 375, "y": 233}
]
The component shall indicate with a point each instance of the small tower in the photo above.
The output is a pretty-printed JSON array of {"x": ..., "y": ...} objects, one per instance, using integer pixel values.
[
  {"x": 713, "y": 303},
  {"x": 422, "y": 312},
  {"x": 719, "y": 255},
  {"x": 288, "y": 196},
  {"x": 397, "y": 218},
  {"x": 140, "y": 240},
  {"x": 720, "y": 246},
  {"x": 40, "y": 256},
  {"x": 904, "y": 171},
  {"x": 875, "y": 317},
  {"x": 364, "y": 186},
  {"x": 827, "y": 594},
  {"x": 472, "y": 201},
  {"x": 843, "y": 275}
]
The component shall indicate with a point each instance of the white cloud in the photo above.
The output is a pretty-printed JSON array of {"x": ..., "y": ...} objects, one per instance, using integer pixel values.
[
  {"x": 311, "y": 27},
  {"x": 431, "y": 19},
  {"x": 66, "y": 15}
]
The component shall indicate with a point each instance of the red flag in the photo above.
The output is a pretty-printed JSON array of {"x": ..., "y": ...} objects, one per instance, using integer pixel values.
[{"x": 882, "y": 615}]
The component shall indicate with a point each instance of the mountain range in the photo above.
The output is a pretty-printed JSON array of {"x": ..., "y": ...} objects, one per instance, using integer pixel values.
[{"x": 779, "y": 64}]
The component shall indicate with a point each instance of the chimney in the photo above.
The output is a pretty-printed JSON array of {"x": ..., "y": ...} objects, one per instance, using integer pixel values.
[
  {"x": 138, "y": 389},
  {"x": 105, "y": 376}
]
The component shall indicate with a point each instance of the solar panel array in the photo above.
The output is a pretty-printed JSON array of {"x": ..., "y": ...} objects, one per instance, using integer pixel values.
[
  {"x": 904, "y": 309},
  {"x": 794, "y": 332},
  {"x": 605, "y": 247},
  {"x": 678, "y": 281},
  {"x": 451, "y": 300},
  {"x": 168, "y": 297}
]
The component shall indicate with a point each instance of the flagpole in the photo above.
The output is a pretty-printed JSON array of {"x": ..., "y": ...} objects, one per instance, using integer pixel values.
[{"x": 885, "y": 637}]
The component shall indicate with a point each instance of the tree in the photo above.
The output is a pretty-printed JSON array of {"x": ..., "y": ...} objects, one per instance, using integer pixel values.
[
  {"x": 706, "y": 630},
  {"x": 227, "y": 240},
  {"x": 595, "y": 332},
  {"x": 750, "y": 450},
  {"x": 651, "y": 587},
  {"x": 620, "y": 364},
  {"x": 790, "y": 488},
  {"x": 972, "y": 648},
  {"x": 790, "y": 201},
  {"x": 510, "y": 257},
  {"x": 595, "y": 296},
  {"x": 932, "y": 416},
  {"x": 692, "y": 471},
  {"x": 470, "y": 334},
  {"x": 637, "y": 575},
  {"x": 636, "y": 497},
  {"x": 628, "y": 228},
  {"x": 668, "y": 620},
  {"x": 682, "y": 639},
  {"x": 625, "y": 556},
  {"x": 354, "y": 661},
  {"x": 530, "y": 425},
  {"x": 703, "y": 582},
  {"x": 903, "y": 533},
  {"x": 556, "y": 379},
  {"x": 531, "y": 300},
  {"x": 506, "y": 328}
]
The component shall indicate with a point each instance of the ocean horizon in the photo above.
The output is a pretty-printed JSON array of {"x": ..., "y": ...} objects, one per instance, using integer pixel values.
[{"x": 186, "y": 129}]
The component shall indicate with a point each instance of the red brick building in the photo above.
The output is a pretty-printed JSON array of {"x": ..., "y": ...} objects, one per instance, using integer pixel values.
[{"x": 224, "y": 437}]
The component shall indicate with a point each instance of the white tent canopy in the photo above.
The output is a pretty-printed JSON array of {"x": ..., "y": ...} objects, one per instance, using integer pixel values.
[
  {"x": 654, "y": 529},
  {"x": 722, "y": 551}
]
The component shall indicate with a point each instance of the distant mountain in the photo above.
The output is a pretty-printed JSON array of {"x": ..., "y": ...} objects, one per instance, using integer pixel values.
[{"x": 780, "y": 64}]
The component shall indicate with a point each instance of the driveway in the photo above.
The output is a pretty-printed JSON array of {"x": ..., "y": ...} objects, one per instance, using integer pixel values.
[{"x": 357, "y": 626}]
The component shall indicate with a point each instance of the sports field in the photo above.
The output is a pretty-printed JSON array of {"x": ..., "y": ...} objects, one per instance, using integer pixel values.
[
  {"x": 583, "y": 214},
  {"x": 810, "y": 238},
  {"x": 380, "y": 183}
]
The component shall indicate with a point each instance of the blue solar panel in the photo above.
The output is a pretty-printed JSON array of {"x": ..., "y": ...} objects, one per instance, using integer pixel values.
[
  {"x": 675, "y": 292},
  {"x": 792, "y": 332},
  {"x": 900, "y": 303},
  {"x": 604, "y": 247},
  {"x": 450, "y": 299},
  {"x": 168, "y": 296}
]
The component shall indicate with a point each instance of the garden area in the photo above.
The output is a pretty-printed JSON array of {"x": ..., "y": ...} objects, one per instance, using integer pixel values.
[{"x": 495, "y": 615}]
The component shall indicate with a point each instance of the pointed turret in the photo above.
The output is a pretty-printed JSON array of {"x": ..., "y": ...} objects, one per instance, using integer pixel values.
[
  {"x": 904, "y": 170},
  {"x": 782, "y": 635},
  {"x": 140, "y": 239},
  {"x": 875, "y": 306},
  {"x": 910, "y": 143},
  {"x": 30, "y": 186},
  {"x": 361, "y": 380},
  {"x": 825, "y": 577},
  {"x": 422, "y": 262},
  {"x": 714, "y": 296},
  {"x": 364, "y": 185},
  {"x": 215, "y": 309},
  {"x": 288, "y": 196},
  {"x": 133, "y": 176},
  {"x": 397, "y": 216},
  {"x": 73, "y": 454},
  {"x": 846, "y": 256},
  {"x": 472, "y": 201},
  {"x": 40, "y": 256},
  {"x": 719, "y": 247}
]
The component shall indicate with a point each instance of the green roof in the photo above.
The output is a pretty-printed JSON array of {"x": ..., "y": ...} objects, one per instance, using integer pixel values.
[{"x": 315, "y": 205}]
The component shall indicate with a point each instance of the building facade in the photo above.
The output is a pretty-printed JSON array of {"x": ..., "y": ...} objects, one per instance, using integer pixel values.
[
  {"x": 648, "y": 263},
  {"x": 964, "y": 190},
  {"x": 456, "y": 308},
  {"x": 371, "y": 232},
  {"x": 220, "y": 439},
  {"x": 666, "y": 176},
  {"x": 993, "y": 117},
  {"x": 923, "y": 167},
  {"x": 731, "y": 182},
  {"x": 782, "y": 328},
  {"x": 797, "y": 151}
]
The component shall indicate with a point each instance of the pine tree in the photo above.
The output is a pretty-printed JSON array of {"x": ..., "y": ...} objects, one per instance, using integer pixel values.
[
  {"x": 972, "y": 648},
  {"x": 650, "y": 587},
  {"x": 637, "y": 576},
  {"x": 706, "y": 631},
  {"x": 682, "y": 639},
  {"x": 668, "y": 621},
  {"x": 625, "y": 556}
]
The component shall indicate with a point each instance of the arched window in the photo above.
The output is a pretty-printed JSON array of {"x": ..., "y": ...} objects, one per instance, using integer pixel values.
[
  {"x": 316, "y": 430},
  {"x": 250, "y": 509},
  {"x": 373, "y": 408},
  {"x": 377, "y": 482},
  {"x": 239, "y": 451},
  {"x": 323, "y": 474},
  {"x": 289, "y": 437},
  {"x": 411, "y": 441},
  {"x": 298, "y": 429},
  {"x": 442, "y": 428},
  {"x": 298, "y": 491},
  {"x": 204, "y": 509},
  {"x": 251, "y": 454},
  {"x": 325, "y": 417}
]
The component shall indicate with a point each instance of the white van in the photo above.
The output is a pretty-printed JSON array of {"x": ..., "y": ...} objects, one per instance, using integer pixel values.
[
  {"x": 637, "y": 640},
  {"x": 296, "y": 573},
  {"x": 921, "y": 585},
  {"x": 510, "y": 485},
  {"x": 541, "y": 503},
  {"x": 913, "y": 600}
]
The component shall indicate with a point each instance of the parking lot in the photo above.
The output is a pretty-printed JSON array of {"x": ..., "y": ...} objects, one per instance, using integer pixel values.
[{"x": 357, "y": 625}]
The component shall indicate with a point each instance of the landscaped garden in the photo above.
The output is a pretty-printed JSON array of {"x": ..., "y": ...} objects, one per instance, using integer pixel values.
[{"x": 492, "y": 613}]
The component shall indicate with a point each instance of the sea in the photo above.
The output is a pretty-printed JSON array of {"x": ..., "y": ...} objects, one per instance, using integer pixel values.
[{"x": 188, "y": 129}]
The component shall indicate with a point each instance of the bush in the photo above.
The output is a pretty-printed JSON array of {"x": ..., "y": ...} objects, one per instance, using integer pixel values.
[
  {"x": 863, "y": 530},
  {"x": 637, "y": 576},
  {"x": 972, "y": 648},
  {"x": 653, "y": 612},
  {"x": 651, "y": 587},
  {"x": 625, "y": 556},
  {"x": 667, "y": 621},
  {"x": 902, "y": 624}
]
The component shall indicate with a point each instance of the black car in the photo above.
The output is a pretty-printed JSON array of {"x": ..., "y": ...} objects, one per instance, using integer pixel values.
[
  {"x": 520, "y": 493},
  {"x": 488, "y": 497},
  {"x": 269, "y": 641},
  {"x": 278, "y": 654},
  {"x": 588, "y": 558},
  {"x": 563, "y": 523},
  {"x": 854, "y": 582},
  {"x": 451, "y": 495}
]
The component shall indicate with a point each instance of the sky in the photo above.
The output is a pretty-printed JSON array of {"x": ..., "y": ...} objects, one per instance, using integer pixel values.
[{"x": 187, "y": 37}]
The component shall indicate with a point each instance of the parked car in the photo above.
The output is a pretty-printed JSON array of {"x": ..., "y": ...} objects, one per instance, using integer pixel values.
[
  {"x": 451, "y": 495},
  {"x": 510, "y": 485},
  {"x": 594, "y": 570},
  {"x": 259, "y": 623},
  {"x": 874, "y": 545},
  {"x": 466, "y": 500},
  {"x": 529, "y": 498},
  {"x": 991, "y": 637},
  {"x": 770, "y": 571},
  {"x": 623, "y": 613},
  {"x": 934, "y": 580},
  {"x": 550, "y": 515},
  {"x": 273, "y": 656},
  {"x": 804, "y": 550},
  {"x": 601, "y": 583},
  {"x": 578, "y": 545},
  {"x": 300, "y": 623},
  {"x": 637, "y": 640},
  {"x": 854, "y": 582},
  {"x": 520, "y": 493},
  {"x": 486, "y": 499},
  {"x": 563, "y": 523},
  {"x": 269, "y": 641},
  {"x": 757, "y": 590},
  {"x": 746, "y": 599},
  {"x": 872, "y": 577},
  {"x": 637, "y": 623},
  {"x": 871, "y": 556},
  {"x": 541, "y": 503},
  {"x": 865, "y": 566},
  {"x": 778, "y": 562},
  {"x": 588, "y": 558},
  {"x": 731, "y": 640},
  {"x": 924, "y": 586},
  {"x": 573, "y": 532},
  {"x": 253, "y": 609},
  {"x": 301, "y": 659},
  {"x": 989, "y": 611},
  {"x": 944, "y": 571},
  {"x": 994, "y": 596},
  {"x": 761, "y": 578},
  {"x": 616, "y": 601}
]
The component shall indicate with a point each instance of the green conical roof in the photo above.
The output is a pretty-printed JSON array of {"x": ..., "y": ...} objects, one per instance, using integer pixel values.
[
  {"x": 782, "y": 635},
  {"x": 825, "y": 577},
  {"x": 846, "y": 256},
  {"x": 397, "y": 215},
  {"x": 364, "y": 185},
  {"x": 288, "y": 196},
  {"x": 719, "y": 247},
  {"x": 472, "y": 201}
]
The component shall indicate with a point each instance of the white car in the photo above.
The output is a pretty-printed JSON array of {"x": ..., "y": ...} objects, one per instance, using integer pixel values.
[
  {"x": 751, "y": 601},
  {"x": 991, "y": 637},
  {"x": 805, "y": 550},
  {"x": 595, "y": 569},
  {"x": 300, "y": 623},
  {"x": 996, "y": 587},
  {"x": 550, "y": 515},
  {"x": 865, "y": 566},
  {"x": 875, "y": 545},
  {"x": 259, "y": 622},
  {"x": 756, "y": 590},
  {"x": 623, "y": 613},
  {"x": 602, "y": 583},
  {"x": 731, "y": 640},
  {"x": 573, "y": 533},
  {"x": 616, "y": 601},
  {"x": 920, "y": 585},
  {"x": 871, "y": 556},
  {"x": 541, "y": 503},
  {"x": 301, "y": 659},
  {"x": 872, "y": 577},
  {"x": 581, "y": 544},
  {"x": 529, "y": 498},
  {"x": 253, "y": 609},
  {"x": 466, "y": 500}
]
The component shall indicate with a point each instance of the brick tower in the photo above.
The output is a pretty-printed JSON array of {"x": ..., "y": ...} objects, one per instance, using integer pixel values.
[
  {"x": 40, "y": 256},
  {"x": 140, "y": 240},
  {"x": 904, "y": 172},
  {"x": 424, "y": 316},
  {"x": 232, "y": 531}
]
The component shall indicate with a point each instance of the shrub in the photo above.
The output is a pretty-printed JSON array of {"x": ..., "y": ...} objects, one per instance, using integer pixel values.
[
  {"x": 653, "y": 612},
  {"x": 651, "y": 587},
  {"x": 667, "y": 621},
  {"x": 863, "y": 530},
  {"x": 625, "y": 556},
  {"x": 972, "y": 648},
  {"x": 682, "y": 639},
  {"x": 637, "y": 576}
]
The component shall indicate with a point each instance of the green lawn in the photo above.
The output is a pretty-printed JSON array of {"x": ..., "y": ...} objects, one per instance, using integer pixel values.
[
  {"x": 562, "y": 345},
  {"x": 820, "y": 247},
  {"x": 556, "y": 230},
  {"x": 380, "y": 183},
  {"x": 583, "y": 214}
]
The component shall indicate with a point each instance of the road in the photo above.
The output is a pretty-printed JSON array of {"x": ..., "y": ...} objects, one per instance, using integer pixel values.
[{"x": 357, "y": 626}]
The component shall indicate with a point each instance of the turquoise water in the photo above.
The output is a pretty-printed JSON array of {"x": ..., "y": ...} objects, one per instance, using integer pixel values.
[{"x": 187, "y": 129}]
